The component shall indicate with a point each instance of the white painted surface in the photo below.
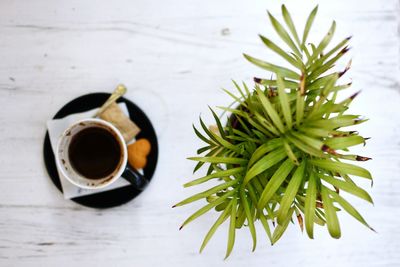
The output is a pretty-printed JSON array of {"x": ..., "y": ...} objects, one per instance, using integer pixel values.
[{"x": 174, "y": 57}]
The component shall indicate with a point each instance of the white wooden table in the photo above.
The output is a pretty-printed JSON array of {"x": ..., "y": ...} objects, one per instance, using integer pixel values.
[{"x": 175, "y": 56}]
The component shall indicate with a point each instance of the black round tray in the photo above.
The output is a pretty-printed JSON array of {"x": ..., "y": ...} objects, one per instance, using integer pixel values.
[{"x": 116, "y": 196}]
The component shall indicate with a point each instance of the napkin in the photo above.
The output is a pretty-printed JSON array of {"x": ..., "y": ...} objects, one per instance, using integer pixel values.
[{"x": 56, "y": 127}]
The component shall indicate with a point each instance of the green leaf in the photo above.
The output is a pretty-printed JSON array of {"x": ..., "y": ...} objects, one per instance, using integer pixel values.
[
  {"x": 275, "y": 182},
  {"x": 312, "y": 142},
  {"x": 239, "y": 90},
  {"x": 321, "y": 81},
  {"x": 333, "y": 50},
  {"x": 330, "y": 214},
  {"x": 341, "y": 87},
  {"x": 327, "y": 89},
  {"x": 224, "y": 215},
  {"x": 244, "y": 125},
  {"x": 323, "y": 95},
  {"x": 284, "y": 72},
  {"x": 304, "y": 147},
  {"x": 203, "y": 149},
  {"x": 348, "y": 179},
  {"x": 325, "y": 41},
  {"x": 220, "y": 174},
  {"x": 290, "y": 193},
  {"x": 241, "y": 217},
  {"x": 348, "y": 187},
  {"x": 266, "y": 124},
  {"x": 246, "y": 136},
  {"x": 335, "y": 122},
  {"x": 207, "y": 193},
  {"x": 271, "y": 211},
  {"x": 262, "y": 138},
  {"x": 240, "y": 138},
  {"x": 263, "y": 149},
  {"x": 249, "y": 217},
  {"x": 232, "y": 228},
  {"x": 329, "y": 107},
  {"x": 297, "y": 57},
  {"x": 246, "y": 89},
  {"x": 226, "y": 143},
  {"x": 219, "y": 160},
  {"x": 309, "y": 23},
  {"x": 313, "y": 47},
  {"x": 281, "y": 228},
  {"x": 269, "y": 109},
  {"x": 259, "y": 127},
  {"x": 309, "y": 207},
  {"x": 237, "y": 99},
  {"x": 325, "y": 67},
  {"x": 316, "y": 132},
  {"x": 341, "y": 167},
  {"x": 349, "y": 208},
  {"x": 220, "y": 128},
  {"x": 280, "y": 52},
  {"x": 207, "y": 131},
  {"x": 208, "y": 207},
  {"x": 344, "y": 142},
  {"x": 320, "y": 218},
  {"x": 272, "y": 83},
  {"x": 251, "y": 192},
  {"x": 285, "y": 105},
  {"x": 283, "y": 34},
  {"x": 305, "y": 50},
  {"x": 199, "y": 135},
  {"x": 290, "y": 24},
  {"x": 257, "y": 185},
  {"x": 249, "y": 95},
  {"x": 265, "y": 224},
  {"x": 215, "y": 152},
  {"x": 290, "y": 153},
  {"x": 264, "y": 163},
  {"x": 221, "y": 206},
  {"x": 234, "y": 111}
]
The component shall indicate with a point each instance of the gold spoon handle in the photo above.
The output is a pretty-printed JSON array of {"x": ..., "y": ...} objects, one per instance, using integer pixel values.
[{"x": 118, "y": 92}]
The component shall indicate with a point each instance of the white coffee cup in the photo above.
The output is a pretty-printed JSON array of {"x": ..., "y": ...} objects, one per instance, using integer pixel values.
[{"x": 72, "y": 175}]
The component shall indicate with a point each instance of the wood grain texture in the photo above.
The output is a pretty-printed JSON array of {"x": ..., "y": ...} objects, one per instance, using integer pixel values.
[{"x": 174, "y": 56}]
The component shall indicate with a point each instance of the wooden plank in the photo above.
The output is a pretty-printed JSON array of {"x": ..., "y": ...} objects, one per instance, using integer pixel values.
[{"x": 174, "y": 56}]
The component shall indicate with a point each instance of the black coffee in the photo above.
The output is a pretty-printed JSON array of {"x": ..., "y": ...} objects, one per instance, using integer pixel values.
[{"x": 94, "y": 152}]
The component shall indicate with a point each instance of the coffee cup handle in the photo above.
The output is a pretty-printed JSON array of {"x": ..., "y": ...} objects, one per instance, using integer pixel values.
[{"x": 135, "y": 178}]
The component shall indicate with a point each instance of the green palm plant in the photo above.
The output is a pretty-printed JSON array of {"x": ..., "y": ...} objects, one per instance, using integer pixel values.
[{"x": 280, "y": 155}]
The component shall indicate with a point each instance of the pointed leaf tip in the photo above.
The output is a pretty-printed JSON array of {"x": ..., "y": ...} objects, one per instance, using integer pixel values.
[
  {"x": 360, "y": 158},
  {"x": 354, "y": 95},
  {"x": 301, "y": 224},
  {"x": 257, "y": 80}
]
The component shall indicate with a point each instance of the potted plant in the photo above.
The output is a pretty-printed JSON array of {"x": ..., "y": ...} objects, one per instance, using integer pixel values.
[{"x": 283, "y": 152}]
